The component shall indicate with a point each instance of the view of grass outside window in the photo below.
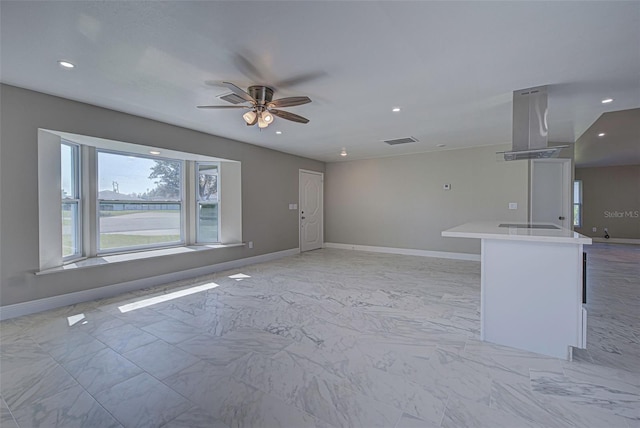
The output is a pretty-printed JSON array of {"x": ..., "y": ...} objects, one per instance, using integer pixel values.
[
  {"x": 207, "y": 179},
  {"x": 577, "y": 203},
  {"x": 140, "y": 201},
  {"x": 69, "y": 177}
]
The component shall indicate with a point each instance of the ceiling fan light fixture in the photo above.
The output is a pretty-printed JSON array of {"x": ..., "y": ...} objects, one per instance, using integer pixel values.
[
  {"x": 261, "y": 122},
  {"x": 267, "y": 117},
  {"x": 250, "y": 117}
]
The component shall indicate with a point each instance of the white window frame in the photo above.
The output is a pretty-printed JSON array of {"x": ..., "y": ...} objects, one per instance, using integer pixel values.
[
  {"x": 579, "y": 204},
  {"x": 180, "y": 202},
  {"x": 76, "y": 199},
  {"x": 50, "y": 245},
  {"x": 199, "y": 202}
]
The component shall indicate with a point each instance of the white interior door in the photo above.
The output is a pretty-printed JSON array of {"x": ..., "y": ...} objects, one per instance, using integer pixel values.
[
  {"x": 311, "y": 217},
  {"x": 551, "y": 191}
]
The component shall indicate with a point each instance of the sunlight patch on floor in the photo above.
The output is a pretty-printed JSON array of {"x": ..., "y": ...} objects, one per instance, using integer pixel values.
[
  {"x": 166, "y": 297},
  {"x": 75, "y": 319}
]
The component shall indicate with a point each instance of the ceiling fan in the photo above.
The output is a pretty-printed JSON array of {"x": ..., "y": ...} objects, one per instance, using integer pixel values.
[{"x": 263, "y": 107}]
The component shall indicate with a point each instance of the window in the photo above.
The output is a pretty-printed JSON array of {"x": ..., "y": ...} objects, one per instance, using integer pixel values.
[
  {"x": 139, "y": 201},
  {"x": 577, "y": 203},
  {"x": 118, "y": 197},
  {"x": 207, "y": 202},
  {"x": 71, "y": 207}
]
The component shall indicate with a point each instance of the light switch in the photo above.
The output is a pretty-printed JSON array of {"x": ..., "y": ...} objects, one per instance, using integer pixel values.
[
  {"x": 513, "y": 205},
  {"x": 295, "y": 206}
]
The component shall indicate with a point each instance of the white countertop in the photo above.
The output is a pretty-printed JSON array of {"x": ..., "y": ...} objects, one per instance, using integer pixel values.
[{"x": 490, "y": 230}]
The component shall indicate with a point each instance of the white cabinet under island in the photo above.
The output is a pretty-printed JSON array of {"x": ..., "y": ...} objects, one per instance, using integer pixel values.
[{"x": 531, "y": 285}]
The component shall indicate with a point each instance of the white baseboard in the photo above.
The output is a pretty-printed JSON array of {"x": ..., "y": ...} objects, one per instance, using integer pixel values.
[
  {"x": 48, "y": 303},
  {"x": 405, "y": 251},
  {"x": 617, "y": 240}
]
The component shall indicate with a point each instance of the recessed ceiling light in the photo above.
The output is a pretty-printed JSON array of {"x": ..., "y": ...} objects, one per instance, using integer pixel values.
[
  {"x": 278, "y": 132},
  {"x": 154, "y": 152},
  {"x": 343, "y": 153},
  {"x": 602, "y": 134},
  {"x": 607, "y": 100},
  {"x": 66, "y": 64},
  {"x": 395, "y": 109},
  {"x": 441, "y": 145}
]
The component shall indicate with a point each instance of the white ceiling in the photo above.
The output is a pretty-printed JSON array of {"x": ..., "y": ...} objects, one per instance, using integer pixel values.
[{"x": 450, "y": 66}]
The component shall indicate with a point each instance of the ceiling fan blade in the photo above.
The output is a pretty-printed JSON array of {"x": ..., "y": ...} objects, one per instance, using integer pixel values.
[
  {"x": 247, "y": 67},
  {"x": 214, "y": 83},
  {"x": 300, "y": 78},
  {"x": 218, "y": 107},
  {"x": 239, "y": 92},
  {"x": 290, "y": 102},
  {"x": 289, "y": 116}
]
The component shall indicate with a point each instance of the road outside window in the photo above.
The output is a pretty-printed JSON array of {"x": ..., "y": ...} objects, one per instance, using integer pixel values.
[{"x": 139, "y": 201}]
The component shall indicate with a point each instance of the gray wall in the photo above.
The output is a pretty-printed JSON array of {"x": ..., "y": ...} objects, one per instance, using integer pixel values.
[
  {"x": 399, "y": 201},
  {"x": 611, "y": 199},
  {"x": 269, "y": 184}
]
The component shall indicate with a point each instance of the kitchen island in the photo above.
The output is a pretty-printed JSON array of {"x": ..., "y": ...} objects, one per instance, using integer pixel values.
[{"x": 531, "y": 285}]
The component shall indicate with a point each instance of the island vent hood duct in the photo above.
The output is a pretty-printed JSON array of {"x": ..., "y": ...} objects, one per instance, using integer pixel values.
[{"x": 530, "y": 132}]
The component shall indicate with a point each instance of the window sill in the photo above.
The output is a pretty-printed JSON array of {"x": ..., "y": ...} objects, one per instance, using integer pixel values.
[{"x": 127, "y": 257}]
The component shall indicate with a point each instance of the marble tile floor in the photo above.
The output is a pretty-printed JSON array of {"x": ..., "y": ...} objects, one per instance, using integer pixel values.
[{"x": 328, "y": 338}]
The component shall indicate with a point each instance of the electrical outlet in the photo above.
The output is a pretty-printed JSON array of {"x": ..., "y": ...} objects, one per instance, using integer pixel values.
[
  {"x": 595, "y": 229},
  {"x": 513, "y": 205}
]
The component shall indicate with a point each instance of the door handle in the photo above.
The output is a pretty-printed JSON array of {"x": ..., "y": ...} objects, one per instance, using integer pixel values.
[{"x": 561, "y": 218}]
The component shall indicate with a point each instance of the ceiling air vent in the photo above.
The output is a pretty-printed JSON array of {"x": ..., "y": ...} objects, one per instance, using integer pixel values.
[
  {"x": 232, "y": 98},
  {"x": 401, "y": 141}
]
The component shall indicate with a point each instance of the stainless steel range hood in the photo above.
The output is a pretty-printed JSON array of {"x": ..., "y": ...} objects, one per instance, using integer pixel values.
[{"x": 530, "y": 131}]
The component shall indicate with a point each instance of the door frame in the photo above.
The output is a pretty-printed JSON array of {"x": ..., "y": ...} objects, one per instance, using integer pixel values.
[
  {"x": 321, "y": 174},
  {"x": 567, "y": 189}
]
